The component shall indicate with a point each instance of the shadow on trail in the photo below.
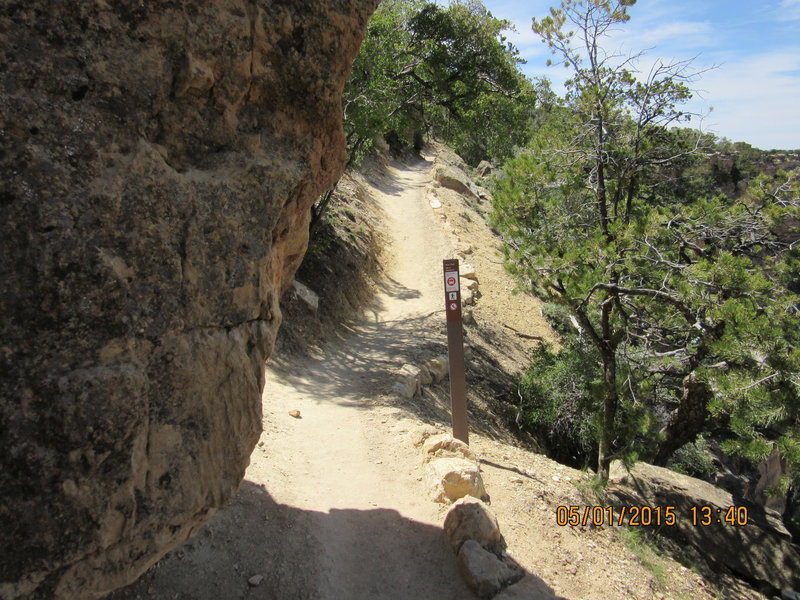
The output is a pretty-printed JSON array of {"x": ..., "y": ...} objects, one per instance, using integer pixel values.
[
  {"x": 395, "y": 185},
  {"x": 344, "y": 554},
  {"x": 361, "y": 361}
]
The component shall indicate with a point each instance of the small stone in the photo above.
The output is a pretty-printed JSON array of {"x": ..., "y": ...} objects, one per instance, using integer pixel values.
[
  {"x": 454, "y": 478},
  {"x": 255, "y": 580},
  {"x": 471, "y": 519},
  {"x": 295, "y": 414},
  {"x": 421, "y": 433},
  {"x": 438, "y": 367},
  {"x": 408, "y": 382},
  {"x": 484, "y": 572},
  {"x": 468, "y": 271},
  {"x": 445, "y": 445}
]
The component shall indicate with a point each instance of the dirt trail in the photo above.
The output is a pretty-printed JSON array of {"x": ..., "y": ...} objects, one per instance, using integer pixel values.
[{"x": 347, "y": 453}]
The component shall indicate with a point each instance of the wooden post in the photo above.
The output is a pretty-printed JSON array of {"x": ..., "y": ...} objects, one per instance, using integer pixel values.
[{"x": 455, "y": 350}]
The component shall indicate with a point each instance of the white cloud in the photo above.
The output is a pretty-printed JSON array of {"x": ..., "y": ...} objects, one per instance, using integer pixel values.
[
  {"x": 789, "y": 10},
  {"x": 755, "y": 99}
]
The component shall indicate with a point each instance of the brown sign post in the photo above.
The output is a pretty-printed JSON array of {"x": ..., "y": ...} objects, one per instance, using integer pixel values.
[{"x": 455, "y": 350}]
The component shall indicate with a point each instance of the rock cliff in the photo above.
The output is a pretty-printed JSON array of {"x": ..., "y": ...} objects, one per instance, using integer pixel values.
[{"x": 157, "y": 164}]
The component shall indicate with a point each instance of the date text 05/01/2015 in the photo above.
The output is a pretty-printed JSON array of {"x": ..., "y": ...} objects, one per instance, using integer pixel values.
[{"x": 646, "y": 516}]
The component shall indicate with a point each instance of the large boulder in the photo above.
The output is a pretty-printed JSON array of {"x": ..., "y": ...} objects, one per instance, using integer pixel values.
[
  {"x": 760, "y": 551},
  {"x": 453, "y": 178},
  {"x": 157, "y": 166}
]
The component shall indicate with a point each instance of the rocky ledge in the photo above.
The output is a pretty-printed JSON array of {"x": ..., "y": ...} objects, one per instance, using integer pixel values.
[{"x": 157, "y": 166}]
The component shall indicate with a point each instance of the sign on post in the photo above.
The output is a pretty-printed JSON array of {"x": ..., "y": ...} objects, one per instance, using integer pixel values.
[{"x": 455, "y": 350}]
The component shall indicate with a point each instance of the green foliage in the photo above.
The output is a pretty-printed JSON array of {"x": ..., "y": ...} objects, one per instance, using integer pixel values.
[
  {"x": 449, "y": 70},
  {"x": 693, "y": 459},
  {"x": 689, "y": 303},
  {"x": 638, "y": 542},
  {"x": 557, "y": 402}
]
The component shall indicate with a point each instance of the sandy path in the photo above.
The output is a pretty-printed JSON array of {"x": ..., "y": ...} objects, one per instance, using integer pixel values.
[
  {"x": 347, "y": 452},
  {"x": 333, "y": 506}
]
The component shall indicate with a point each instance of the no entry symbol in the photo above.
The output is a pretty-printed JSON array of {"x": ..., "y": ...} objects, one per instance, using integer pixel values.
[{"x": 451, "y": 281}]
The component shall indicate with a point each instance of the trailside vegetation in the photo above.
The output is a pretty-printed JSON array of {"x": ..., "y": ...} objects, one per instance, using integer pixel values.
[
  {"x": 446, "y": 71},
  {"x": 684, "y": 304}
]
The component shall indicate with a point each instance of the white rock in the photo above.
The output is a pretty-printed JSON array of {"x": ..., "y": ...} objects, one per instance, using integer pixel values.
[
  {"x": 468, "y": 271},
  {"x": 419, "y": 434},
  {"x": 435, "y": 203},
  {"x": 445, "y": 445},
  {"x": 425, "y": 376},
  {"x": 452, "y": 478},
  {"x": 255, "y": 580},
  {"x": 407, "y": 382},
  {"x": 438, "y": 367},
  {"x": 471, "y": 519},
  {"x": 467, "y": 284},
  {"x": 305, "y": 294}
]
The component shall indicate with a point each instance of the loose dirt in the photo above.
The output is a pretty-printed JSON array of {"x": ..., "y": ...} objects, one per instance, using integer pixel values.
[{"x": 334, "y": 506}]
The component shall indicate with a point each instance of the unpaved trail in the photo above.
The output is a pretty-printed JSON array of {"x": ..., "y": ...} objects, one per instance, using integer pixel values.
[
  {"x": 333, "y": 506},
  {"x": 346, "y": 454}
]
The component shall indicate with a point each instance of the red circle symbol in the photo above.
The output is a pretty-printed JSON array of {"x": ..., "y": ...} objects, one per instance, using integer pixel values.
[
  {"x": 453, "y": 306},
  {"x": 451, "y": 281}
]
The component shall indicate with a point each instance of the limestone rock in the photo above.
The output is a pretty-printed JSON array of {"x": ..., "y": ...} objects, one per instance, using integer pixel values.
[
  {"x": 471, "y": 519},
  {"x": 467, "y": 271},
  {"x": 407, "y": 381},
  {"x": 451, "y": 158},
  {"x": 530, "y": 587},
  {"x": 484, "y": 572},
  {"x": 770, "y": 558},
  {"x": 419, "y": 434},
  {"x": 439, "y": 367},
  {"x": 484, "y": 168},
  {"x": 452, "y": 478},
  {"x": 470, "y": 285},
  {"x": 307, "y": 295},
  {"x": 159, "y": 162},
  {"x": 425, "y": 376},
  {"x": 445, "y": 445},
  {"x": 463, "y": 248},
  {"x": 454, "y": 179}
]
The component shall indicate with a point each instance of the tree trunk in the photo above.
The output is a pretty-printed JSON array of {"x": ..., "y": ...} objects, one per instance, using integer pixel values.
[
  {"x": 687, "y": 421},
  {"x": 610, "y": 404}
]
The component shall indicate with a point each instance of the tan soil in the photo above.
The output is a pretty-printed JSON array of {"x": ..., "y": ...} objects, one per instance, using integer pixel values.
[{"x": 333, "y": 505}]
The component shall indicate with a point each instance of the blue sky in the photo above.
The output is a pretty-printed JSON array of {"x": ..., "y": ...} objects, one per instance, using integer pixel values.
[{"x": 755, "y": 89}]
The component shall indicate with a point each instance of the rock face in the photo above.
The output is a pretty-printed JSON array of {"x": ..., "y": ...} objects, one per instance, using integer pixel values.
[
  {"x": 760, "y": 551},
  {"x": 157, "y": 165}
]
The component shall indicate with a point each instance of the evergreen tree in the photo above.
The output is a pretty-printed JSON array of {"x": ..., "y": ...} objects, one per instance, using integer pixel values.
[{"x": 688, "y": 303}]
